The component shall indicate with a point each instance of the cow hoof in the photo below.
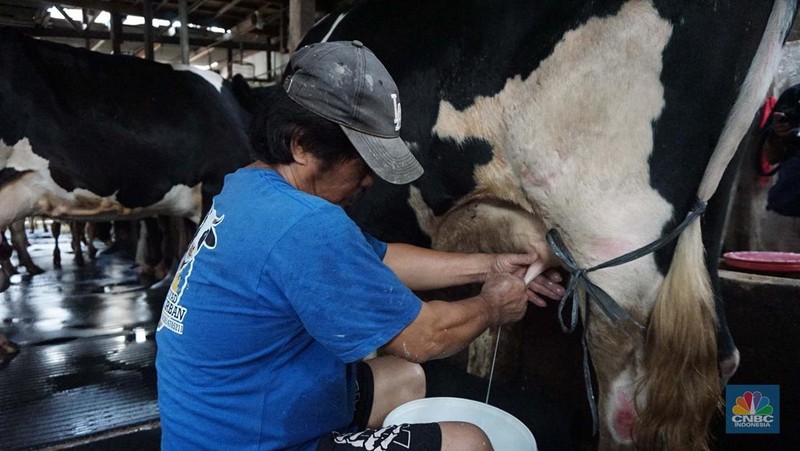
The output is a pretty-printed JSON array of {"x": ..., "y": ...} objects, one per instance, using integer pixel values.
[
  {"x": 5, "y": 281},
  {"x": 34, "y": 270},
  {"x": 8, "y": 351},
  {"x": 7, "y": 348},
  {"x": 79, "y": 261}
]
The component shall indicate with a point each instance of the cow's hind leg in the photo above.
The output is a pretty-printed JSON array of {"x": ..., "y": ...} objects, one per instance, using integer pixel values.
[
  {"x": 727, "y": 353},
  {"x": 6, "y": 267},
  {"x": 56, "y": 228},
  {"x": 20, "y": 243},
  {"x": 90, "y": 236},
  {"x": 76, "y": 227},
  {"x": 7, "y": 349}
]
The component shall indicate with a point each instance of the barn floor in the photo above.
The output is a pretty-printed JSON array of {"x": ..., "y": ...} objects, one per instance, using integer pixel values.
[
  {"x": 85, "y": 376},
  {"x": 81, "y": 375}
]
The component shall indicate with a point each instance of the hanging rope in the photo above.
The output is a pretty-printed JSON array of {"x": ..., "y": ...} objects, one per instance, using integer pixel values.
[{"x": 579, "y": 280}]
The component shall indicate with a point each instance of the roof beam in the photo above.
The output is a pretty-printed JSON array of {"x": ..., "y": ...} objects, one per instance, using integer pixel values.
[
  {"x": 112, "y": 7},
  {"x": 61, "y": 32}
]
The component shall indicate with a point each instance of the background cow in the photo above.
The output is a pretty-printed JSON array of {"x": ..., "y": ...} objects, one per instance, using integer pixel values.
[
  {"x": 92, "y": 136},
  {"x": 598, "y": 119}
]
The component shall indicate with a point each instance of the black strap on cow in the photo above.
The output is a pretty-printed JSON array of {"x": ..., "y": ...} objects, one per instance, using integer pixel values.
[{"x": 615, "y": 313}]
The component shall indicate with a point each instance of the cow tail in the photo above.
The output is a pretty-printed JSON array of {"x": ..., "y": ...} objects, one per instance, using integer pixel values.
[
  {"x": 681, "y": 346},
  {"x": 681, "y": 383}
]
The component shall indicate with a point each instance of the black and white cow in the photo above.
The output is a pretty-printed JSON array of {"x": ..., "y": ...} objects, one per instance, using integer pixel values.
[
  {"x": 604, "y": 120},
  {"x": 87, "y": 136}
]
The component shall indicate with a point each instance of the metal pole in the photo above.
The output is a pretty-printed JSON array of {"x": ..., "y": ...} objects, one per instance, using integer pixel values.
[{"x": 87, "y": 43}]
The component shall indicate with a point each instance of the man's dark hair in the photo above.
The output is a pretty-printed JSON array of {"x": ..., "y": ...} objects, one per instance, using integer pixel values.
[{"x": 279, "y": 119}]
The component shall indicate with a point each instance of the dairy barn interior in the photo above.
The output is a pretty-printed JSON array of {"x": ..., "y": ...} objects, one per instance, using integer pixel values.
[{"x": 83, "y": 318}]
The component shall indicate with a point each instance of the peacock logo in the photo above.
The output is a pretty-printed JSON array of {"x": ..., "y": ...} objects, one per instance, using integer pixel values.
[
  {"x": 752, "y": 403},
  {"x": 753, "y": 409}
]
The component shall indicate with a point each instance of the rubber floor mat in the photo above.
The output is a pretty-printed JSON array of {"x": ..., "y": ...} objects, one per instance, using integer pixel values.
[{"x": 63, "y": 392}]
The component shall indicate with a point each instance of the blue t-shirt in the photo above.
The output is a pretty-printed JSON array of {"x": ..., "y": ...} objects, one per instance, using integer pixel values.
[{"x": 277, "y": 296}]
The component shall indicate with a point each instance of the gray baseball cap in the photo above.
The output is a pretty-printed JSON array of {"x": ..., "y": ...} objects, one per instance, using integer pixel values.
[{"x": 345, "y": 83}]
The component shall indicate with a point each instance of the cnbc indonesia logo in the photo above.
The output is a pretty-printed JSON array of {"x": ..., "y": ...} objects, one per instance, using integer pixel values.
[{"x": 751, "y": 410}]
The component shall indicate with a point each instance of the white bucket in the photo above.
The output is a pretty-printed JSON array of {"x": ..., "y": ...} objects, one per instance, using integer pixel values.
[{"x": 505, "y": 431}]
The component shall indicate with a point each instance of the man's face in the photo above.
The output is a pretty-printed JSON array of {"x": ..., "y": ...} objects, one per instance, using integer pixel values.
[{"x": 341, "y": 183}]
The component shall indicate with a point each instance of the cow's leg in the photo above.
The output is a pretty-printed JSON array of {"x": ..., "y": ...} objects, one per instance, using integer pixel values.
[
  {"x": 20, "y": 241},
  {"x": 126, "y": 235},
  {"x": 729, "y": 357},
  {"x": 148, "y": 252},
  {"x": 76, "y": 227},
  {"x": 6, "y": 267},
  {"x": 19, "y": 198},
  {"x": 90, "y": 236},
  {"x": 142, "y": 257},
  {"x": 56, "y": 228},
  {"x": 493, "y": 226},
  {"x": 157, "y": 244},
  {"x": 7, "y": 348},
  {"x": 102, "y": 232}
]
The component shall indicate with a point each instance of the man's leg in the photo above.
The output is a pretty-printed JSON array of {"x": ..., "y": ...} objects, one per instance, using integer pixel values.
[
  {"x": 463, "y": 436},
  {"x": 446, "y": 436},
  {"x": 395, "y": 381}
]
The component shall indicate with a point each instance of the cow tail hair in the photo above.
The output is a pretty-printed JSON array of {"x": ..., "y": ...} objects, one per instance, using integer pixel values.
[
  {"x": 680, "y": 391},
  {"x": 681, "y": 382}
]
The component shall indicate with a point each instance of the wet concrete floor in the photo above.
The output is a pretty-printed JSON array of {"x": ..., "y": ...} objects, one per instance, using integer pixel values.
[{"x": 86, "y": 362}]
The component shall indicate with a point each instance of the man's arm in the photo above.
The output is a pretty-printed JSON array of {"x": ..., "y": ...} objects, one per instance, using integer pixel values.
[
  {"x": 425, "y": 269},
  {"x": 443, "y": 328}
]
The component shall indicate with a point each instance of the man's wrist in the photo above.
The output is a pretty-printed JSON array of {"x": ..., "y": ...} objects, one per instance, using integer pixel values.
[{"x": 491, "y": 313}]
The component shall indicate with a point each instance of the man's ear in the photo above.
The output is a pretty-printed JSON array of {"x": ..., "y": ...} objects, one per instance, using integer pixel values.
[{"x": 299, "y": 154}]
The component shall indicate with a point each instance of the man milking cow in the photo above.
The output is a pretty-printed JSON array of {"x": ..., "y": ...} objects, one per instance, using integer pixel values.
[{"x": 319, "y": 295}]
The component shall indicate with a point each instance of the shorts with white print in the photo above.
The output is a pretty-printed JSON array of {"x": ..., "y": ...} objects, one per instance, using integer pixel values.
[{"x": 402, "y": 437}]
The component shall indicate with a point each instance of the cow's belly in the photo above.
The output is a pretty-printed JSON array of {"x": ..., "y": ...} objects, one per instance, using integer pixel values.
[{"x": 35, "y": 192}]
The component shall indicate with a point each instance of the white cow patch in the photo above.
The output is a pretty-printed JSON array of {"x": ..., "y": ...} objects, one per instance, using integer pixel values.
[
  {"x": 36, "y": 193},
  {"x": 211, "y": 77},
  {"x": 573, "y": 140}
]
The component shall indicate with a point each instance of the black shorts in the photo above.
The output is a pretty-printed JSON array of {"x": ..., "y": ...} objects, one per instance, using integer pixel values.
[{"x": 403, "y": 437}]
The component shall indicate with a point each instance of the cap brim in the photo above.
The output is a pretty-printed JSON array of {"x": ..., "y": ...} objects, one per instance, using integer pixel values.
[{"x": 388, "y": 157}]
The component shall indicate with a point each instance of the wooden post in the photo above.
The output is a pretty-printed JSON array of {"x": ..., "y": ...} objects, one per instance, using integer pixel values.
[
  {"x": 116, "y": 33},
  {"x": 183, "y": 15},
  {"x": 301, "y": 19},
  {"x": 148, "y": 29}
]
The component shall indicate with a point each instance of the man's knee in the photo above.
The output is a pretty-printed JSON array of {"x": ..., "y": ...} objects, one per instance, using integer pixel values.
[
  {"x": 461, "y": 436},
  {"x": 414, "y": 380},
  {"x": 399, "y": 376}
]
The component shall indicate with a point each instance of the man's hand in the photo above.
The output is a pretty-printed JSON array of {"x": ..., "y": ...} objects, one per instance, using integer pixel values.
[
  {"x": 545, "y": 283},
  {"x": 506, "y": 296}
]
